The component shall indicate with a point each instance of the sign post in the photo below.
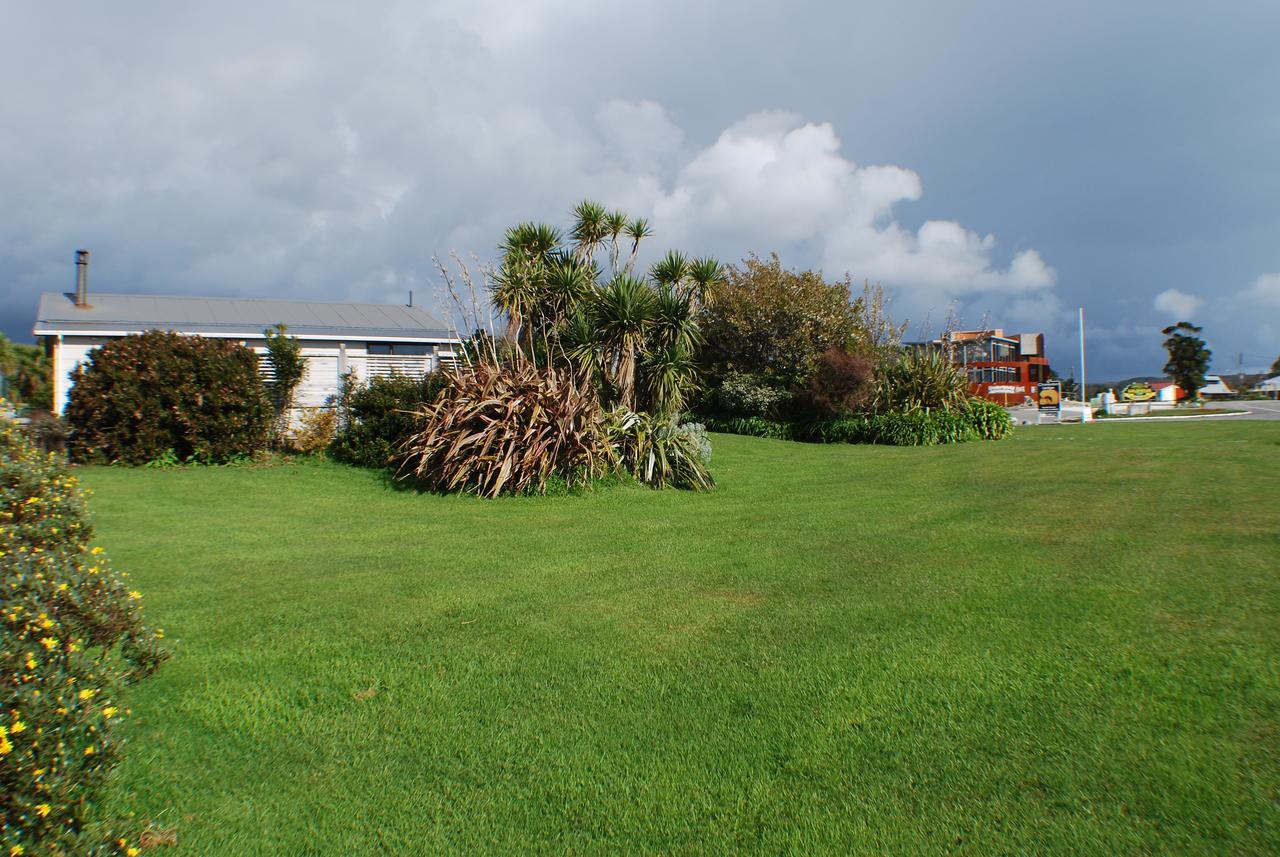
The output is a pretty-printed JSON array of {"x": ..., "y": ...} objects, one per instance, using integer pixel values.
[{"x": 1050, "y": 399}]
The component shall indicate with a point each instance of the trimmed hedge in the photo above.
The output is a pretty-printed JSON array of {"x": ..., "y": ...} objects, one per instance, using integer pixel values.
[
  {"x": 161, "y": 395},
  {"x": 982, "y": 420},
  {"x": 71, "y": 637}
]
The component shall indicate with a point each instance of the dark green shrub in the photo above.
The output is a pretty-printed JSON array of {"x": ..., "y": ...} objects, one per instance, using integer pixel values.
[
  {"x": 139, "y": 397},
  {"x": 71, "y": 636},
  {"x": 920, "y": 428},
  {"x": 751, "y": 426},
  {"x": 376, "y": 418},
  {"x": 981, "y": 420},
  {"x": 989, "y": 420}
]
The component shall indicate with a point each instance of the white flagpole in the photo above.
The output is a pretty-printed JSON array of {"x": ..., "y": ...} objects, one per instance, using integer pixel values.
[{"x": 1084, "y": 391}]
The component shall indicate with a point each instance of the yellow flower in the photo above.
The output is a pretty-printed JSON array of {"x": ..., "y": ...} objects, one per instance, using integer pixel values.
[
  {"x": 135, "y": 594},
  {"x": 132, "y": 852},
  {"x": 88, "y": 751},
  {"x": 16, "y": 850},
  {"x": 49, "y": 643},
  {"x": 87, "y": 693},
  {"x": 43, "y": 809},
  {"x": 73, "y": 647},
  {"x": 5, "y": 746},
  {"x": 19, "y": 726},
  {"x": 109, "y": 711},
  {"x": 96, "y": 551}
]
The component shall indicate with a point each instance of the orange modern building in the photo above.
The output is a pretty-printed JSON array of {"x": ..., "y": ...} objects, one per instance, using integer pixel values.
[{"x": 1004, "y": 369}]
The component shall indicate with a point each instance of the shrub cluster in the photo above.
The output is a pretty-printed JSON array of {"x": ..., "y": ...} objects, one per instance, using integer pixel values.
[
  {"x": 979, "y": 420},
  {"x": 374, "y": 420},
  {"x": 142, "y": 398},
  {"x": 71, "y": 636},
  {"x": 661, "y": 452}
]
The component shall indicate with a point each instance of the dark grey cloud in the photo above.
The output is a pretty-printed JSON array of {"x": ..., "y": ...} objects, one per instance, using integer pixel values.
[{"x": 1016, "y": 160}]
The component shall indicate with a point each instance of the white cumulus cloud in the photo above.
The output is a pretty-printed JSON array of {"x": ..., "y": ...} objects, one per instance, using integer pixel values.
[
  {"x": 1265, "y": 291},
  {"x": 1179, "y": 304}
]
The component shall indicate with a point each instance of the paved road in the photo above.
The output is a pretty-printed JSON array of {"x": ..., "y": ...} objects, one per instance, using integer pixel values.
[
  {"x": 1268, "y": 410},
  {"x": 1257, "y": 410}
]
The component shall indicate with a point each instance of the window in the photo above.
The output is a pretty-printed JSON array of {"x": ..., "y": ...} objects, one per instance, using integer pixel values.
[
  {"x": 398, "y": 358},
  {"x": 401, "y": 349}
]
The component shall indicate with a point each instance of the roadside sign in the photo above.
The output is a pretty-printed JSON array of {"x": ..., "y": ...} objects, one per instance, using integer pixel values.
[{"x": 1050, "y": 399}]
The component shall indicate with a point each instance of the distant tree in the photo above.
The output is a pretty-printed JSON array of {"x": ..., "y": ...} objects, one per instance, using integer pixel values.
[
  {"x": 1188, "y": 356},
  {"x": 28, "y": 374},
  {"x": 1275, "y": 367}
]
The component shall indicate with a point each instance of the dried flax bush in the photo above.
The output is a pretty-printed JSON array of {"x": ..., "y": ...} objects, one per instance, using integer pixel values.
[{"x": 509, "y": 427}]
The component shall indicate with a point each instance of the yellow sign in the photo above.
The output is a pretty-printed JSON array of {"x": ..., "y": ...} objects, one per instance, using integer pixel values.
[{"x": 1138, "y": 391}]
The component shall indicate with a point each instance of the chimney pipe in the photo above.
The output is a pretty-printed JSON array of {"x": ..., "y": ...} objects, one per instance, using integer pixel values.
[{"x": 82, "y": 278}]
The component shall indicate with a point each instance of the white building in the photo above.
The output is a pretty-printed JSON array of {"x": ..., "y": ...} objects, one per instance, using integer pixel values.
[
  {"x": 1213, "y": 386},
  {"x": 369, "y": 339},
  {"x": 1270, "y": 385}
]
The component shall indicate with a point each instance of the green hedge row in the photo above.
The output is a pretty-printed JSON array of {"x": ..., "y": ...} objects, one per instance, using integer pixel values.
[{"x": 981, "y": 420}]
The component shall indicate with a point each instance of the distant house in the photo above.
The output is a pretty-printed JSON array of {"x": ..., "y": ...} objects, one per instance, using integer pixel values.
[
  {"x": 367, "y": 339},
  {"x": 1213, "y": 386},
  {"x": 1270, "y": 385}
]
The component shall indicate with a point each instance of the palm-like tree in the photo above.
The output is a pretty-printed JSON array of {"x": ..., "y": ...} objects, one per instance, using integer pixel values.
[
  {"x": 623, "y": 314},
  {"x": 520, "y": 283},
  {"x": 634, "y": 339},
  {"x": 590, "y": 228},
  {"x": 637, "y": 230}
]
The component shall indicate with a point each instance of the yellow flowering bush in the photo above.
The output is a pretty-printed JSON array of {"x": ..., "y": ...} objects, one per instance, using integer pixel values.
[{"x": 71, "y": 636}]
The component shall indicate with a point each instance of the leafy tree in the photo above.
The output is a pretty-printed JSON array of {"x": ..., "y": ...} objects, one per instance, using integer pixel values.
[
  {"x": 1188, "y": 357},
  {"x": 776, "y": 322},
  {"x": 288, "y": 366},
  {"x": 1275, "y": 367}
]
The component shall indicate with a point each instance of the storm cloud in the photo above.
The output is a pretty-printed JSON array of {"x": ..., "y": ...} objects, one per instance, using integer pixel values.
[{"x": 1009, "y": 163}]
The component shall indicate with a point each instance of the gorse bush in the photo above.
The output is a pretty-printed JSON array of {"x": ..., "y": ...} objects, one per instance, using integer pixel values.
[
  {"x": 140, "y": 397},
  {"x": 509, "y": 428},
  {"x": 72, "y": 637},
  {"x": 374, "y": 420}
]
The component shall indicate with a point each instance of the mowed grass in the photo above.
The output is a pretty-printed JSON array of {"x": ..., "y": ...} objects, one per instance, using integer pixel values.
[{"x": 1063, "y": 643}]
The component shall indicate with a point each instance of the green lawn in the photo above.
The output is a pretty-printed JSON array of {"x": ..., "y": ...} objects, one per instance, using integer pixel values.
[{"x": 1064, "y": 643}]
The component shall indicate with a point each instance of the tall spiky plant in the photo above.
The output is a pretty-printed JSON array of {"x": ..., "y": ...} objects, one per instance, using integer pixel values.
[
  {"x": 520, "y": 282},
  {"x": 623, "y": 314},
  {"x": 637, "y": 230},
  {"x": 590, "y": 227}
]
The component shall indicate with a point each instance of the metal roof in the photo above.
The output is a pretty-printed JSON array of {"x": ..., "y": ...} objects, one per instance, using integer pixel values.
[{"x": 239, "y": 317}]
